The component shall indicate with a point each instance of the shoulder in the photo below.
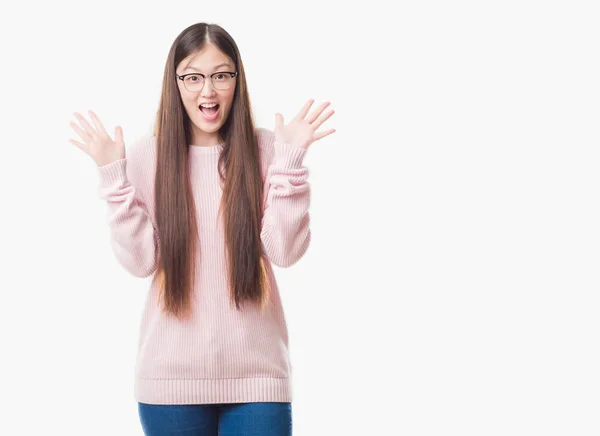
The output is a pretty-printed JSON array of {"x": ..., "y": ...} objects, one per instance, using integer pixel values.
[
  {"x": 266, "y": 146},
  {"x": 142, "y": 148},
  {"x": 141, "y": 162},
  {"x": 266, "y": 138},
  {"x": 141, "y": 154}
]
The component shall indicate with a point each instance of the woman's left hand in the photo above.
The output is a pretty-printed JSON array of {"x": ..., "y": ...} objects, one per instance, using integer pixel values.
[{"x": 302, "y": 130}]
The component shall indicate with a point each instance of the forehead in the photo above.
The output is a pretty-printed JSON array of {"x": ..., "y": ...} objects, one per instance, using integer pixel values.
[{"x": 209, "y": 59}]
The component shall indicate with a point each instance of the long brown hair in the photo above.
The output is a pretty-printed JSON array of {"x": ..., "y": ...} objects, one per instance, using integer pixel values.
[{"x": 241, "y": 181}]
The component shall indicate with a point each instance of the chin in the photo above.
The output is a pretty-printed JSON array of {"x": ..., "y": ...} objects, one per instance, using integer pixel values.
[{"x": 206, "y": 126}]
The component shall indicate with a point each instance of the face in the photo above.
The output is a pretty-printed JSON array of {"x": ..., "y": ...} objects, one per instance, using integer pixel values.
[{"x": 206, "y": 122}]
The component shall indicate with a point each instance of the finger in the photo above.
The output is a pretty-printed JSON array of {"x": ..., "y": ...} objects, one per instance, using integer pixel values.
[
  {"x": 97, "y": 123},
  {"x": 313, "y": 116},
  {"x": 323, "y": 134},
  {"x": 322, "y": 119},
  {"x": 83, "y": 135},
  {"x": 304, "y": 110},
  {"x": 79, "y": 145},
  {"x": 89, "y": 129}
]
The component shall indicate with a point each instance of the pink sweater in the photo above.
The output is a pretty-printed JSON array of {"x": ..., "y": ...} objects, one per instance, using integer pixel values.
[{"x": 220, "y": 355}]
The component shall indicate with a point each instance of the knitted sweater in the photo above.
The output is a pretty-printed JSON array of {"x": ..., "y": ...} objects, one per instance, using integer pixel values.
[{"x": 220, "y": 354}]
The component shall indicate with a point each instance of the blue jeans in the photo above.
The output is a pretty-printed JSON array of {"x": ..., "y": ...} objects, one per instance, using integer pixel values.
[{"x": 234, "y": 419}]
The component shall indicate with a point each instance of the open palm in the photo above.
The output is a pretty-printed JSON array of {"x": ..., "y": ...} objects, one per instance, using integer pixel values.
[
  {"x": 96, "y": 141},
  {"x": 302, "y": 130}
]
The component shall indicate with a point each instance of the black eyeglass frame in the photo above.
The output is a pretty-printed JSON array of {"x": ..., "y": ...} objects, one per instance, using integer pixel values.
[{"x": 182, "y": 77}]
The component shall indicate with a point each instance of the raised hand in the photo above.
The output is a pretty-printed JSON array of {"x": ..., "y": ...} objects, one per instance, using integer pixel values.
[
  {"x": 96, "y": 142},
  {"x": 302, "y": 130}
]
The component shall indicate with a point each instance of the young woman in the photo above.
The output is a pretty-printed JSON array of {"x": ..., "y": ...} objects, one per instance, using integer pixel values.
[{"x": 206, "y": 205}]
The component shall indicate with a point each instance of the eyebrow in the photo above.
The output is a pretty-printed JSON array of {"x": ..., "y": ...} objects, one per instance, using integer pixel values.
[{"x": 214, "y": 68}]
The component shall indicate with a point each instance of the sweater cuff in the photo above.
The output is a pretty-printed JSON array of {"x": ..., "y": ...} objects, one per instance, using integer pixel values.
[
  {"x": 289, "y": 156},
  {"x": 113, "y": 174}
]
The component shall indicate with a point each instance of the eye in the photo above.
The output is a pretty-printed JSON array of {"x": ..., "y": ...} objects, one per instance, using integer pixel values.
[
  {"x": 219, "y": 76},
  {"x": 193, "y": 78}
]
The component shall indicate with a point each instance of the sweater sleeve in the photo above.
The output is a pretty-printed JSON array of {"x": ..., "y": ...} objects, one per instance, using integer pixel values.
[
  {"x": 133, "y": 237},
  {"x": 285, "y": 232}
]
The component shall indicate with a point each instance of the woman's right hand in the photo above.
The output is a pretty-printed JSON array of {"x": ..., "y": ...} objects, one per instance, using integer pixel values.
[{"x": 97, "y": 144}]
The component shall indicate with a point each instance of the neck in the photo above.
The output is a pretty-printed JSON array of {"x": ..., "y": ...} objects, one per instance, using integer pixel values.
[{"x": 205, "y": 139}]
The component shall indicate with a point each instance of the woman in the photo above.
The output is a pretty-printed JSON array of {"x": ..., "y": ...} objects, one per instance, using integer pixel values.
[{"x": 206, "y": 205}]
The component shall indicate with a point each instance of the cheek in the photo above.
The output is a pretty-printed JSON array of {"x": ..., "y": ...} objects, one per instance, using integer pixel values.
[
  {"x": 228, "y": 100},
  {"x": 188, "y": 100}
]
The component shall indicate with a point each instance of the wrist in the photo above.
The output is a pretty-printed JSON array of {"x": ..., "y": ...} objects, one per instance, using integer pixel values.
[{"x": 288, "y": 155}]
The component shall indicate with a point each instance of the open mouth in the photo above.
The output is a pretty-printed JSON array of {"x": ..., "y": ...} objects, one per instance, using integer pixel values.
[{"x": 210, "y": 112}]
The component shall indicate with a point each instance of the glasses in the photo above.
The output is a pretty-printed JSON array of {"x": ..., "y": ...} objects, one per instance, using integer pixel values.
[{"x": 221, "y": 80}]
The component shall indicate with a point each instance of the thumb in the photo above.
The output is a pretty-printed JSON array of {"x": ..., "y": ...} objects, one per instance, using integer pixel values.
[
  {"x": 278, "y": 120},
  {"x": 119, "y": 134}
]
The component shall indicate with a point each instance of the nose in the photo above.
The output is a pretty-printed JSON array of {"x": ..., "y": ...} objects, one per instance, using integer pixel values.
[{"x": 207, "y": 89}]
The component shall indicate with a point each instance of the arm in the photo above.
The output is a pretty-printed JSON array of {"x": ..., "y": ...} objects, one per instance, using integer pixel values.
[
  {"x": 285, "y": 230},
  {"x": 133, "y": 237}
]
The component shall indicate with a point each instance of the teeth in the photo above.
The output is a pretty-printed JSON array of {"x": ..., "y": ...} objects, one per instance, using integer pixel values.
[{"x": 208, "y": 105}]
